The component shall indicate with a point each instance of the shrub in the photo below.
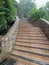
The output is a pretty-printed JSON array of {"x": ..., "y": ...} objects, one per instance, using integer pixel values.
[
  {"x": 46, "y": 17},
  {"x": 12, "y": 11},
  {"x": 7, "y": 13},
  {"x": 3, "y": 23},
  {"x": 35, "y": 14},
  {"x": 42, "y": 13}
]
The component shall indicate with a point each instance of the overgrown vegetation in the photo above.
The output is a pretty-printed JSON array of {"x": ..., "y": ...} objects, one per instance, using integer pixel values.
[
  {"x": 8, "y": 10},
  {"x": 46, "y": 9},
  {"x": 35, "y": 14},
  {"x": 27, "y": 8}
]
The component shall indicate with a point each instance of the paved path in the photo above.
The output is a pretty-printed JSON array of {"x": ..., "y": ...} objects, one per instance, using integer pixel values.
[{"x": 31, "y": 47}]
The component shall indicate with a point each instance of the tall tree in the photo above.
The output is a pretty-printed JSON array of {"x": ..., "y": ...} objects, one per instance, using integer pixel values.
[
  {"x": 46, "y": 8},
  {"x": 25, "y": 6}
]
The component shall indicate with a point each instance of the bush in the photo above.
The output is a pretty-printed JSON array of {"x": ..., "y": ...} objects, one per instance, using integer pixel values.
[
  {"x": 35, "y": 14},
  {"x": 42, "y": 13},
  {"x": 46, "y": 17},
  {"x": 12, "y": 11},
  {"x": 7, "y": 13},
  {"x": 3, "y": 24},
  {"x": 11, "y": 20}
]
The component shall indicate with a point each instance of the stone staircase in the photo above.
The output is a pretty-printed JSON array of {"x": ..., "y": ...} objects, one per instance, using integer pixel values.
[{"x": 31, "y": 47}]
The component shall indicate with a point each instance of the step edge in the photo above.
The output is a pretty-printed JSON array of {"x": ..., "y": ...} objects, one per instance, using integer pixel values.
[
  {"x": 28, "y": 59},
  {"x": 44, "y": 55},
  {"x": 32, "y": 47}
]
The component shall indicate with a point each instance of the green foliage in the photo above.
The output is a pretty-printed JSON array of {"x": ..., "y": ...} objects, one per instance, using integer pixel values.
[
  {"x": 46, "y": 9},
  {"x": 8, "y": 10},
  {"x": 42, "y": 13},
  {"x": 3, "y": 24},
  {"x": 25, "y": 6},
  {"x": 47, "y": 5},
  {"x": 35, "y": 14},
  {"x": 46, "y": 17},
  {"x": 11, "y": 5},
  {"x": 2, "y": 13}
]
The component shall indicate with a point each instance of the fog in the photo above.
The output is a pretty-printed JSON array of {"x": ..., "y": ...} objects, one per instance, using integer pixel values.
[{"x": 39, "y": 3}]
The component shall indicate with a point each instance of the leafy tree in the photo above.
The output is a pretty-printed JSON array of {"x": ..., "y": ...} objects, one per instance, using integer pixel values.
[
  {"x": 35, "y": 14},
  {"x": 25, "y": 6},
  {"x": 3, "y": 22},
  {"x": 46, "y": 9},
  {"x": 47, "y": 4},
  {"x": 42, "y": 13},
  {"x": 8, "y": 9},
  {"x": 12, "y": 10}
]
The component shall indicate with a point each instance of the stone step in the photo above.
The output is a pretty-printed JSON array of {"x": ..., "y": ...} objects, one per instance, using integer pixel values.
[
  {"x": 33, "y": 45},
  {"x": 33, "y": 38},
  {"x": 30, "y": 27},
  {"x": 25, "y": 26},
  {"x": 23, "y": 62},
  {"x": 32, "y": 41},
  {"x": 30, "y": 32},
  {"x": 31, "y": 57},
  {"x": 32, "y": 50},
  {"x": 31, "y": 35}
]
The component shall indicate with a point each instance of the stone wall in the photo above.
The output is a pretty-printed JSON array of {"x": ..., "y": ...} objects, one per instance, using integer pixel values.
[
  {"x": 9, "y": 39},
  {"x": 44, "y": 24}
]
